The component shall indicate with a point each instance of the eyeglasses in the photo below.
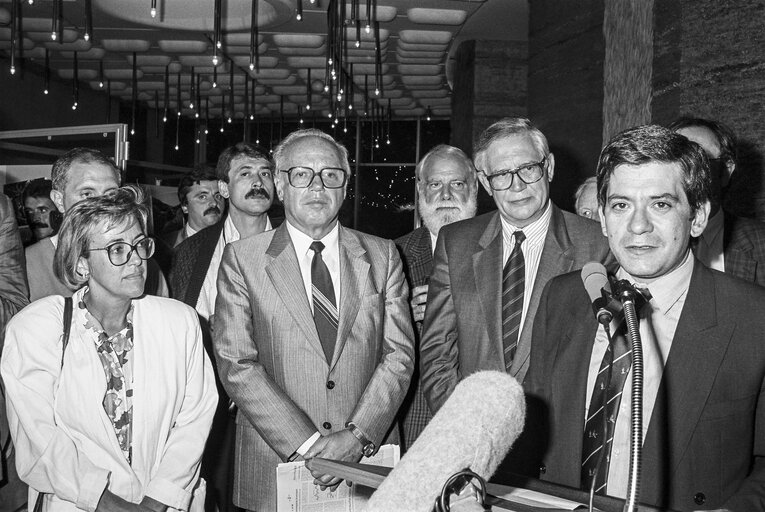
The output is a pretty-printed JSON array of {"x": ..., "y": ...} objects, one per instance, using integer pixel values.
[
  {"x": 302, "y": 177},
  {"x": 527, "y": 173},
  {"x": 120, "y": 252}
]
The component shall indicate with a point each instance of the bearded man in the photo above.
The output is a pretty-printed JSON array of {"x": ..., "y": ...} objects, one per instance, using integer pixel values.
[{"x": 447, "y": 191}]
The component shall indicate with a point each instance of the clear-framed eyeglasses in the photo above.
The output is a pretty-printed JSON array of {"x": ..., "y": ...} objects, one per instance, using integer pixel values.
[
  {"x": 120, "y": 252},
  {"x": 302, "y": 177},
  {"x": 527, "y": 173}
]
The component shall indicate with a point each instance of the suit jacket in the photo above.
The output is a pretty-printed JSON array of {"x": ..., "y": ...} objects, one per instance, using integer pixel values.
[
  {"x": 705, "y": 444},
  {"x": 417, "y": 254},
  {"x": 462, "y": 329},
  {"x": 272, "y": 364},
  {"x": 191, "y": 260},
  {"x": 13, "y": 297},
  {"x": 744, "y": 248}
]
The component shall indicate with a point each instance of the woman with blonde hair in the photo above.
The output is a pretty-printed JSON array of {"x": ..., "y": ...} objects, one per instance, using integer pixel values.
[{"x": 110, "y": 396}]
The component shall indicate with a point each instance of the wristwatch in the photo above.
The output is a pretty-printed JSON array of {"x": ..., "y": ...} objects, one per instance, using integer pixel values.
[{"x": 367, "y": 446}]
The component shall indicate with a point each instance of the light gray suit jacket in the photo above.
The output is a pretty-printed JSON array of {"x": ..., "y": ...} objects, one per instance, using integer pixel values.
[
  {"x": 462, "y": 329},
  {"x": 272, "y": 364}
]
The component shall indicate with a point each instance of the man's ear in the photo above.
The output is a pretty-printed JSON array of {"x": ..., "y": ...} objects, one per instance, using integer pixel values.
[
  {"x": 485, "y": 182},
  {"x": 699, "y": 219},
  {"x": 550, "y": 166},
  {"x": 58, "y": 199},
  {"x": 602, "y": 221},
  {"x": 185, "y": 208},
  {"x": 223, "y": 188}
]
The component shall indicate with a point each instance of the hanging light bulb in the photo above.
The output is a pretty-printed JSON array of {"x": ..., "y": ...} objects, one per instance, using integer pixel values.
[
  {"x": 31, "y": 2},
  {"x": 153, "y": 11},
  {"x": 368, "y": 28},
  {"x": 215, "y": 59},
  {"x": 252, "y": 66},
  {"x": 299, "y": 14}
]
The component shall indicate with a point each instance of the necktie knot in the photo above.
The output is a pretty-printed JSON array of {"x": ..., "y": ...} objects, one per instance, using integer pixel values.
[
  {"x": 519, "y": 238},
  {"x": 317, "y": 247}
]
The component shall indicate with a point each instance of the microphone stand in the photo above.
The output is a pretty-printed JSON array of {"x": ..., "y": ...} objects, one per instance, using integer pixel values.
[{"x": 627, "y": 295}]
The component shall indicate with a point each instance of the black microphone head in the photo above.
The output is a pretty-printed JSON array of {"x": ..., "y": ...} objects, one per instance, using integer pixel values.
[{"x": 595, "y": 278}]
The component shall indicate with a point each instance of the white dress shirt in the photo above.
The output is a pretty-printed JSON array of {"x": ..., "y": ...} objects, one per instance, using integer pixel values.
[
  {"x": 209, "y": 292},
  {"x": 657, "y": 329},
  {"x": 532, "y": 247}
]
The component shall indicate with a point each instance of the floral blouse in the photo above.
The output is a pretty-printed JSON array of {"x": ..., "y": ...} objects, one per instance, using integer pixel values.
[{"x": 114, "y": 352}]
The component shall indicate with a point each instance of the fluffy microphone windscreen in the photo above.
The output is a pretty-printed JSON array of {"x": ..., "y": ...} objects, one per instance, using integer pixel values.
[{"x": 474, "y": 429}]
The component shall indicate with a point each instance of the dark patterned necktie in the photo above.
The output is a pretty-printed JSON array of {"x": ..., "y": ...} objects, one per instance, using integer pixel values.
[
  {"x": 324, "y": 305},
  {"x": 593, "y": 442},
  {"x": 513, "y": 278}
]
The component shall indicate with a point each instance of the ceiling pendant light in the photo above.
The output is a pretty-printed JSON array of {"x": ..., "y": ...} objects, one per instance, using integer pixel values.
[
  {"x": 178, "y": 103},
  {"x": 231, "y": 92},
  {"x": 167, "y": 92},
  {"x": 47, "y": 72},
  {"x": 254, "y": 58},
  {"x": 88, "y": 20},
  {"x": 135, "y": 93},
  {"x": 75, "y": 82},
  {"x": 191, "y": 90},
  {"x": 252, "y": 101},
  {"x": 217, "y": 45},
  {"x": 100, "y": 74},
  {"x": 14, "y": 25},
  {"x": 56, "y": 21},
  {"x": 153, "y": 11},
  {"x": 299, "y": 13},
  {"x": 207, "y": 115}
]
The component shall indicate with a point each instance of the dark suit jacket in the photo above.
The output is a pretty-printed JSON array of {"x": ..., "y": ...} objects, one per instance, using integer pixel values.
[
  {"x": 706, "y": 437},
  {"x": 417, "y": 254},
  {"x": 462, "y": 330},
  {"x": 272, "y": 363},
  {"x": 191, "y": 260},
  {"x": 744, "y": 248}
]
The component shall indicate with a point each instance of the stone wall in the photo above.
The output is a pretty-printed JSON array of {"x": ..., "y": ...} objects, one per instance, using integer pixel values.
[{"x": 565, "y": 97}]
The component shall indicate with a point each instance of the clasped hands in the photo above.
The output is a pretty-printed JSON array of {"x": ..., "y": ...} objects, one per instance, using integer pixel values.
[{"x": 341, "y": 445}]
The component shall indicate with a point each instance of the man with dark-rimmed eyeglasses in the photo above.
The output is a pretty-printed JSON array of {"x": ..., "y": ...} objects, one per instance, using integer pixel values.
[
  {"x": 489, "y": 271},
  {"x": 313, "y": 336}
]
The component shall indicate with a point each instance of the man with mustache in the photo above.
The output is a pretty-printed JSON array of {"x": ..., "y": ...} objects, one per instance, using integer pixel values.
[
  {"x": 201, "y": 203},
  {"x": 245, "y": 177},
  {"x": 38, "y": 208},
  {"x": 447, "y": 191}
]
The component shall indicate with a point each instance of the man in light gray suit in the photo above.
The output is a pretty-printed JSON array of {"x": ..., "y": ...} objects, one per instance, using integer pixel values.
[
  {"x": 464, "y": 329},
  {"x": 313, "y": 335}
]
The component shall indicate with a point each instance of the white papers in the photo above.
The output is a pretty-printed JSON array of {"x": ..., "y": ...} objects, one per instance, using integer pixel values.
[{"x": 296, "y": 491}]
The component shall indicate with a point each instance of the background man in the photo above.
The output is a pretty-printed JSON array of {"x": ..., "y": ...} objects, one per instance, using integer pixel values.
[
  {"x": 704, "y": 366},
  {"x": 313, "y": 338},
  {"x": 586, "y": 199},
  {"x": 13, "y": 297},
  {"x": 447, "y": 190},
  {"x": 38, "y": 207},
  {"x": 730, "y": 244},
  {"x": 463, "y": 327},
  {"x": 245, "y": 176},
  {"x": 77, "y": 174},
  {"x": 201, "y": 204}
]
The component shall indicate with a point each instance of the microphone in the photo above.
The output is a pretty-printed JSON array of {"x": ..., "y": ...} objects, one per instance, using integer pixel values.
[
  {"x": 595, "y": 280},
  {"x": 475, "y": 428}
]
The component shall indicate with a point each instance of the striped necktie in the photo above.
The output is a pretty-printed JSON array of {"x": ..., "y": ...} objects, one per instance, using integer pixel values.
[
  {"x": 324, "y": 305},
  {"x": 513, "y": 278}
]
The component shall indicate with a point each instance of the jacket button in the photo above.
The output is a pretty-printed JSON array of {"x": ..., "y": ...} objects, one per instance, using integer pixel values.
[
  {"x": 327, "y": 425},
  {"x": 699, "y": 498},
  {"x": 542, "y": 469},
  {"x": 330, "y": 384}
]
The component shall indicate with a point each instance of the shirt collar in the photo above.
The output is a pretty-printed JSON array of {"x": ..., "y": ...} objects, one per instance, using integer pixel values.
[
  {"x": 302, "y": 242},
  {"x": 535, "y": 232},
  {"x": 669, "y": 288},
  {"x": 190, "y": 231},
  {"x": 230, "y": 233}
]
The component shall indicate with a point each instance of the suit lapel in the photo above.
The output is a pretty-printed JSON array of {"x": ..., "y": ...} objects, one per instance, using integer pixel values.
[
  {"x": 421, "y": 253},
  {"x": 354, "y": 272},
  {"x": 697, "y": 351},
  {"x": 207, "y": 243},
  {"x": 555, "y": 261},
  {"x": 487, "y": 270},
  {"x": 284, "y": 273}
]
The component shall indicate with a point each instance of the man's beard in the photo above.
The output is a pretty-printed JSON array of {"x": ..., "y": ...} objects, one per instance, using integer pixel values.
[{"x": 434, "y": 219}]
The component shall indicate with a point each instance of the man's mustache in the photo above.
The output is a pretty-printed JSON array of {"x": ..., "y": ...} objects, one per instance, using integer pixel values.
[
  {"x": 257, "y": 192},
  {"x": 212, "y": 209},
  {"x": 38, "y": 225}
]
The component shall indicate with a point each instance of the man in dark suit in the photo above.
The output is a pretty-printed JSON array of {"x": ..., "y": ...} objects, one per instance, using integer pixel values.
[
  {"x": 312, "y": 337},
  {"x": 246, "y": 178},
  {"x": 463, "y": 326},
  {"x": 731, "y": 244},
  {"x": 447, "y": 190},
  {"x": 13, "y": 297},
  {"x": 703, "y": 356},
  {"x": 201, "y": 204}
]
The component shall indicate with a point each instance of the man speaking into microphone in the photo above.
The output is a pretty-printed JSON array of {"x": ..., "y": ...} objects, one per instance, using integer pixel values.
[{"x": 702, "y": 334}]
